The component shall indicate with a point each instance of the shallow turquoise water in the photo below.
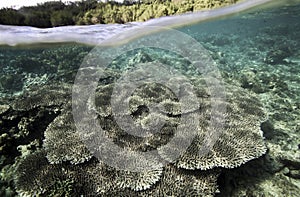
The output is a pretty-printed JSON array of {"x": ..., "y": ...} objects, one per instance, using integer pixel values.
[{"x": 258, "y": 51}]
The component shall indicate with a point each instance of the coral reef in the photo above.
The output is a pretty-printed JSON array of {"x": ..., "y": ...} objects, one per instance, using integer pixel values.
[
  {"x": 243, "y": 118},
  {"x": 34, "y": 176},
  {"x": 62, "y": 142},
  {"x": 53, "y": 95},
  {"x": 22, "y": 69},
  {"x": 255, "y": 155},
  {"x": 4, "y": 108},
  {"x": 268, "y": 65},
  {"x": 61, "y": 156},
  {"x": 189, "y": 175},
  {"x": 22, "y": 127}
]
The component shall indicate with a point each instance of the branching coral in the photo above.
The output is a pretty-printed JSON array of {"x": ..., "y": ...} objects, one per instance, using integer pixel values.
[
  {"x": 49, "y": 96},
  {"x": 180, "y": 182},
  {"x": 62, "y": 142},
  {"x": 107, "y": 179},
  {"x": 241, "y": 140},
  {"x": 190, "y": 175},
  {"x": 34, "y": 175}
]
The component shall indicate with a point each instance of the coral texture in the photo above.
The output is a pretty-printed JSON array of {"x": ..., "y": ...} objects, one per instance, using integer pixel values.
[
  {"x": 62, "y": 142},
  {"x": 191, "y": 174}
]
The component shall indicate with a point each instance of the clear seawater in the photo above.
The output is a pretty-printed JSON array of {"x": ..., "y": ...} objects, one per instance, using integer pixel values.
[{"x": 257, "y": 49}]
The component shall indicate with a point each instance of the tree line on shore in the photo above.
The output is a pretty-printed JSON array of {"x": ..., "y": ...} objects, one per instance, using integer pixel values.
[{"x": 57, "y": 13}]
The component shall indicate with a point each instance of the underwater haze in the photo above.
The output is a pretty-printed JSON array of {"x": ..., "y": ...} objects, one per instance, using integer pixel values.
[{"x": 231, "y": 82}]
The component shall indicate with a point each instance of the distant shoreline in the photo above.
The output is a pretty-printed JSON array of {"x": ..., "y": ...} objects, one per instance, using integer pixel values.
[
  {"x": 56, "y": 13},
  {"x": 19, "y": 35}
]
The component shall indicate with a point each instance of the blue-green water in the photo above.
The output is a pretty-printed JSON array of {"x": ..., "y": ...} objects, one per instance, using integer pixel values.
[{"x": 256, "y": 53}]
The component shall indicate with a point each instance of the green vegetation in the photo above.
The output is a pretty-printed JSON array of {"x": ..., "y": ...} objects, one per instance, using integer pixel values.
[{"x": 52, "y": 14}]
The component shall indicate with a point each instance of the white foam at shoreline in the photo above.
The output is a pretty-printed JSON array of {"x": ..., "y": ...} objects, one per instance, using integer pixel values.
[{"x": 96, "y": 34}]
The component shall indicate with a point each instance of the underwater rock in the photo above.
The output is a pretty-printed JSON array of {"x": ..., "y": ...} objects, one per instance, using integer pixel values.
[
  {"x": 277, "y": 55},
  {"x": 261, "y": 81},
  {"x": 29, "y": 64},
  {"x": 250, "y": 80},
  {"x": 268, "y": 129},
  {"x": 293, "y": 162},
  {"x": 140, "y": 57},
  {"x": 221, "y": 40},
  {"x": 11, "y": 82},
  {"x": 266, "y": 185},
  {"x": 102, "y": 100}
]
